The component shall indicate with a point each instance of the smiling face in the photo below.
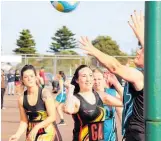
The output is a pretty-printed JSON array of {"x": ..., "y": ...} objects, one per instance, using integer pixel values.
[
  {"x": 85, "y": 79},
  {"x": 139, "y": 59},
  {"x": 29, "y": 78},
  {"x": 99, "y": 81}
]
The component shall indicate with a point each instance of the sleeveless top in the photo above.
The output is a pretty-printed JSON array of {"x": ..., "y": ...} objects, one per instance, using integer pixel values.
[
  {"x": 89, "y": 121},
  {"x": 110, "y": 131},
  {"x": 132, "y": 117},
  {"x": 37, "y": 114}
]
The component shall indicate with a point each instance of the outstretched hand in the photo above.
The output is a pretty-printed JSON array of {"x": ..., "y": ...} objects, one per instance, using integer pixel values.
[
  {"x": 110, "y": 78},
  {"x": 113, "y": 79},
  {"x": 87, "y": 46},
  {"x": 137, "y": 25}
]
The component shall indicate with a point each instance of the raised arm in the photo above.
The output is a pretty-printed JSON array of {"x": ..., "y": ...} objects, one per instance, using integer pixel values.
[
  {"x": 114, "y": 81},
  {"x": 72, "y": 104},
  {"x": 23, "y": 121},
  {"x": 113, "y": 65},
  {"x": 119, "y": 113},
  {"x": 137, "y": 25},
  {"x": 109, "y": 99},
  {"x": 119, "y": 109},
  {"x": 127, "y": 73}
]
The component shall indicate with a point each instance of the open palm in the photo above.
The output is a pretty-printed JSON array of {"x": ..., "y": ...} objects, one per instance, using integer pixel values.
[
  {"x": 87, "y": 46},
  {"x": 137, "y": 25}
]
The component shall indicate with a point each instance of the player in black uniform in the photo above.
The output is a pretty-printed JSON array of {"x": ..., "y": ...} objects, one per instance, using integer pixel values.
[
  {"x": 37, "y": 111},
  {"x": 133, "y": 120},
  {"x": 86, "y": 106}
]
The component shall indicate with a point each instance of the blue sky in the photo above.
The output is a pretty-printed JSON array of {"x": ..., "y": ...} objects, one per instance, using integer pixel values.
[{"x": 89, "y": 19}]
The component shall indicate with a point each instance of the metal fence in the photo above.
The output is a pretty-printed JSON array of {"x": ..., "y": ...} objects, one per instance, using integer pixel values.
[{"x": 66, "y": 63}]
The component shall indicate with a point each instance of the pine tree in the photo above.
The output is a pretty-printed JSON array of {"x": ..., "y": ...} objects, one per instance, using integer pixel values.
[
  {"x": 62, "y": 40},
  {"x": 25, "y": 43}
]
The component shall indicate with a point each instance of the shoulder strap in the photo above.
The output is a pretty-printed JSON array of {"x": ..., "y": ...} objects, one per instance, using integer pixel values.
[
  {"x": 98, "y": 99},
  {"x": 40, "y": 94},
  {"x": 25, "y": 101}
]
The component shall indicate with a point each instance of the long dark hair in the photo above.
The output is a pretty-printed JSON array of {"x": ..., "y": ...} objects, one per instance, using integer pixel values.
[
  {"x": 27, "y": 67},
  {"x": 75, "y": 78}
]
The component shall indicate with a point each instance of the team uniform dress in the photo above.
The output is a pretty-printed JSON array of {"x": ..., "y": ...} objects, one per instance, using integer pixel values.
[
  {"x": 110, "y": 131},
  {"x": 89, "y": 121},
  {"x": 37, "y": 114},
  {"x": 133, "y": 119},
  {"x": 61, "y": 98}
]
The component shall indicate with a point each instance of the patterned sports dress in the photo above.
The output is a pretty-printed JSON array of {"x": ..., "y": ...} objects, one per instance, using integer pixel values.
[
  {"x": 110, "y": 131},
  {"x": 133, "y": 126},
  {"x": 61, "y": 98},
  {"x": 133, "y": 121},
  {"x": 89, "y": 121},
  {"x": 37, "y": 114}
]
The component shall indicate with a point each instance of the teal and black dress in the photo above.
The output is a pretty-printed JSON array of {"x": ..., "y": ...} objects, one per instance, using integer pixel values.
[{"x": 110, "y": 131}]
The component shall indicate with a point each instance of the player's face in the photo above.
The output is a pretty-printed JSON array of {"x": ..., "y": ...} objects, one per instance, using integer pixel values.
[
  {"x": 85, "y": 79},
  {"x": 29, "y": 78},
  {"x": 139, "y": 59},
  {"x": 99, "y": 81}
]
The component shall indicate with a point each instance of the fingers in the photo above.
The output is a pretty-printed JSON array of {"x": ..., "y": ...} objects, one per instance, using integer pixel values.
[
  {"x": 82, "y": 42},
  {"x": 87, "y": 46},
  {"x": 134, "y": 21},
  {"x": 131, "y": 25},
  {"x": 137, "y": 17},
  {"x": 87, "y": 40},
  {"x": 83, "y": 39}
]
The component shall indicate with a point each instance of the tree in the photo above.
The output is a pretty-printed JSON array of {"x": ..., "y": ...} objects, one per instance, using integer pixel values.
[
  {"x": 110, "y": 47},
  {"x": 68, "y": 52},
  {"x": 25, "y": 43},
  {"x": 62, "y": 40}
]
